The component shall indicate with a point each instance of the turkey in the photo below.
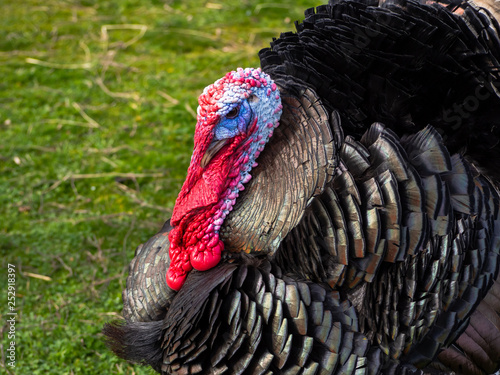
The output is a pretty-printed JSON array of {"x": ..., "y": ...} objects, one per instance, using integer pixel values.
[{"x": 341, "y": 212}]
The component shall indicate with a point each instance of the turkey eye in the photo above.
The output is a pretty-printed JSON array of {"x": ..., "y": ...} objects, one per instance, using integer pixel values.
[{"x": 233, "y": 113}]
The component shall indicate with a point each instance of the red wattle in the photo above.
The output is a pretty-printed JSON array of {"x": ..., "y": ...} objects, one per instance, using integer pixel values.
[
  {"x": 175, "y": 280},
  {"x": 179, "y": 261},
  {"x": 209, "y": 257}
]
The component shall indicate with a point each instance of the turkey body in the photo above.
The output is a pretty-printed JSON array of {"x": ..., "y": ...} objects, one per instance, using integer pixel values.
[{"x": 367, "y": 240}]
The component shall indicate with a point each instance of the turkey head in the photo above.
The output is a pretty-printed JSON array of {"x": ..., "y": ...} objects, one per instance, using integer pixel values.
[{"x": 236, "y": 117}]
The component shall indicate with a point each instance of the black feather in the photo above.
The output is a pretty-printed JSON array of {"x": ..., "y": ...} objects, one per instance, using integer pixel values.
[{"x": 136, "y": 341}]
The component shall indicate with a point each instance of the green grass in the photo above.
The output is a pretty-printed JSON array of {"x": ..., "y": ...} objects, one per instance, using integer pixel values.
[{"x": 96, "y": 124}]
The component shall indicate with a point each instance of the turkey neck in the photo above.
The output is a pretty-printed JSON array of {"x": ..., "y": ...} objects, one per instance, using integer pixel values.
[{"x": 295, "y": 166}]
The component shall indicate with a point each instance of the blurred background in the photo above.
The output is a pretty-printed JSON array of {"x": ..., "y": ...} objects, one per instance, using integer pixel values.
[{"x": 97, "y": 113}]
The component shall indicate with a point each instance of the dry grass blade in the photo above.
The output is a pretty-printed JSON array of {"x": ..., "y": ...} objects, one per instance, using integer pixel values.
[
  {"x": 96, "y": 283},
  {"x": 190, "y": 110},
  {"x": 111, "y": 313},
  {"x": 195, "y": 33},
  {"x": 66, "y": 267},
  {"x": 92, "y": 123},
  {"x": 85, "y": 65},
  {"x": 112, "y": 150},
  {"x": 61, "y": 122},
  {"x": 37, "y": 276},
  {"x": 213, "y": 6},
  {"x": 115, "y": 175},
  {"x": 85, "y": 176},
  {"x": 124, "y": 95},
  {"x": 167, "y": 97},
  {"x": 72, "y": 221},
  {"x": 133, "y": 195},
  {"x": 105, "y": 35}
]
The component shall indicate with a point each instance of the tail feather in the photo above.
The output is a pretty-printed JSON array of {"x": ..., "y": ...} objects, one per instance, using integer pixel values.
[{"x": 138, "y": 342}]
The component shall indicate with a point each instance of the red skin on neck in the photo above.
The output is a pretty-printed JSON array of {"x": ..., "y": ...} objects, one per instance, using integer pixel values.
[{"x": 194, "y": 243}]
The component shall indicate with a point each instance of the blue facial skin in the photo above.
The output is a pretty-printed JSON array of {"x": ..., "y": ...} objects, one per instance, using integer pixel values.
[{"x": 234, "y": 122}]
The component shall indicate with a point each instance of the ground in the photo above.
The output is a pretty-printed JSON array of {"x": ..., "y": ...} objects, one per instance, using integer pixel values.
[{"x": 97, "y": 112}]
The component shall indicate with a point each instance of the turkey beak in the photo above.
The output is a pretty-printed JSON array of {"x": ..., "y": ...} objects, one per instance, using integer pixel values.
[{"x": 212, "y": 150}]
